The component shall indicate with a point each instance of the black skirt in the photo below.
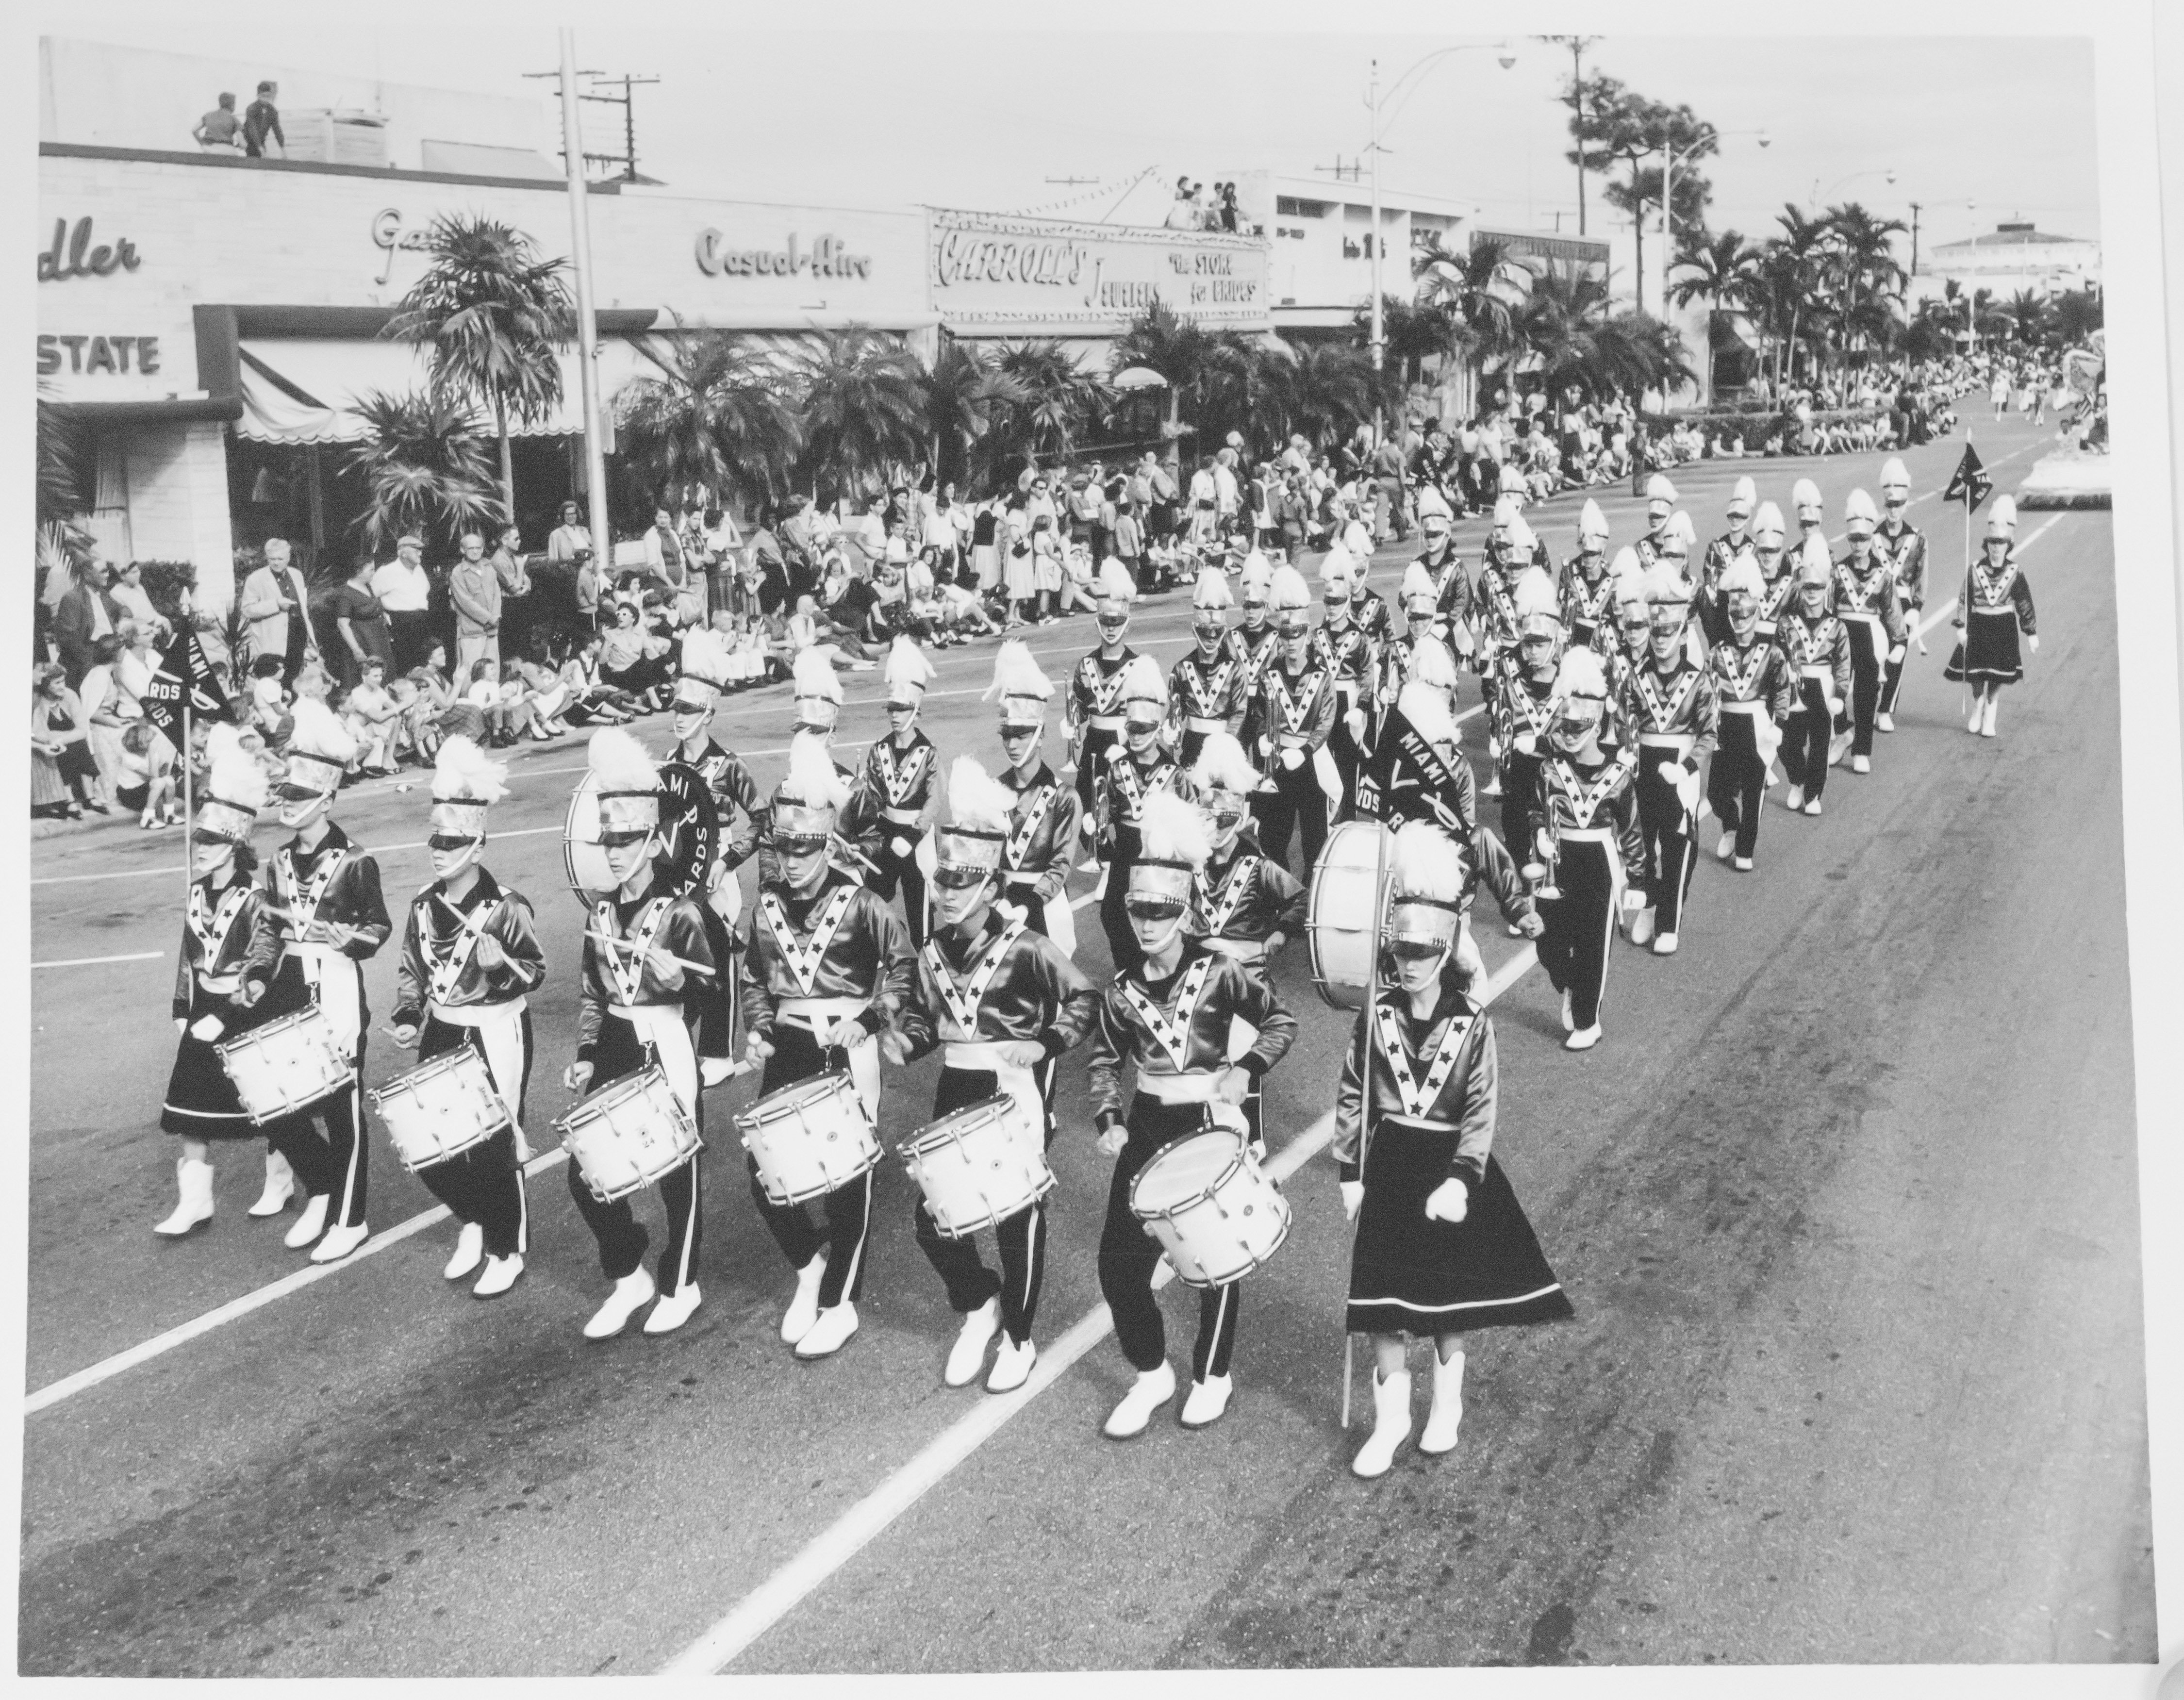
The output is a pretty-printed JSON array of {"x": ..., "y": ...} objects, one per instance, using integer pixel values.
[
  {"x": 1412, "y": 1275},
  {"x": 201, "y": 1101},
  {"x": 1989, "y": 654}
]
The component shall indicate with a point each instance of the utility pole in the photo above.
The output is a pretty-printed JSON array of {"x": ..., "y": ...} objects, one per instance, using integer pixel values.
[
  {"x": 1914, "y": 239},
  {"x": 626, "y": 159},
  {"x": 588, "y": 335},
  {"x": 1577, "y": 45}
]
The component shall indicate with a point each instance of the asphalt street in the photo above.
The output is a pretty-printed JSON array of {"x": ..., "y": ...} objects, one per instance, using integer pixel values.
[{"x": 1845, "y": 1201}]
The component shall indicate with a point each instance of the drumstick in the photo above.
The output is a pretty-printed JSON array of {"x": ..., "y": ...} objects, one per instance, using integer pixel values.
[{"x": 679, "y": 961}]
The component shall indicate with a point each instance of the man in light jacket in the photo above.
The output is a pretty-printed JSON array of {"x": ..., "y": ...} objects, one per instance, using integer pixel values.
[
  {"x": 276, "y": 602},
  {"x": 474, "y": 587}
]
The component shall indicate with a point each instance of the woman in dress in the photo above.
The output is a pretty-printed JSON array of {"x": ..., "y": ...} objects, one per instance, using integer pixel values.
[
  {"x": 1443, "y": 1247},
  {"x": 1998, "y": 606},
  {"x": 230, "y": 950},
  {"x": 64, "y": 776}
]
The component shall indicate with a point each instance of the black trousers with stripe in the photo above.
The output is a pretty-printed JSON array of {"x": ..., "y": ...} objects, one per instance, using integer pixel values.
[
  {"x": 904, "y": 869},
  {"x": 1021, "y": 1238},
  {"x": 1806, "y": 736},
  {"x": 1128, "y": 1255},
  {"x": 621, "y": 1236},
  {"x": 1736, "y": 781},
  {"x": 1865, "y": 687},
  {"x": 1295, "y": 804},
  {"x": 483, "y": 1184},
  {"x": 337, "y": 1163},
  {"x": 849, "y": 1209},
  {"x": 1892, "y": 675},
  {"x": 1671, "y": 851},
  {"x": 1580, "y": 927}
]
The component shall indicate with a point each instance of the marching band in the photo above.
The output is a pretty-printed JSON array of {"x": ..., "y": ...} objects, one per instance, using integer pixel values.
[{"x": 1625, "y": 700}]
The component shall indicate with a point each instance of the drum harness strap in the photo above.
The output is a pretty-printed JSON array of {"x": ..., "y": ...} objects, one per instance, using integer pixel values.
[
  {"x": 1663, "y": 712},
  {"x": 212, "y": 930},
  {"x": 630, "y": 981},
  {"x": 1206, "y": 693},
  {"x": 1442, "y": 1049},
  {"x": 899, "y": 781},
  {"x": 963, "y": 1007},
  {"x": 1104, "y": 689},
  {"x": 1219, "y": 907},
  {"x": 1170, "y": 1029},
  {"x": 443, "y": 974},
  {"x": 303, "y": 906},
  {"x": 803, "y": 957}
]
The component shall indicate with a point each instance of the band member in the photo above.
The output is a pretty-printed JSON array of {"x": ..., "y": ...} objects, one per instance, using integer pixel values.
[
  {"x": 1043, "y": 824},
  {"x": 1520, "y": 704},
  {"x": 1170, "y": 1016},
  {"x": 325, "y": 893},
  {"x": 817, "y": 698},
  {"x": 1242, "y": 904},
  {"x": 1295, "y": 715},
  {"x": 1733, "y": 544},
  {"x": 1818, "y": 648},
  {"x": 1670, "y": 704},
  {"x": 1422, "y": 624},
  {"x": 1369, "y": 609},
  {"x": 1811, "y": 514},
  {"x": 1675, "y": 543},
  {"x": 647, "y": 961},
  {"x": 900, "y": 780},
  {"x": 1445, "y": 567},
  {"x": 1206, "y": 687},
  {"x": 1866, "y": 602},
  {"x": 1778, "y": 571},
  {"x": 1351, "y": 659},
  {"x": 1255, "y": 641},
  {"x": 1093, "y": 711},
  {"x": 1588, "y": 589},
  {"x": 706, "y": 665},
  {"x": 1583, "y": 826},
  {"x": 1493, "y": 600},
  {"x": 471, "y": 958},
  {"x": 826, "y": 965},
  {"x": 2000, "y": 609},
  {"x": 1755, "y": 688},
  {"x": 1443, "y": 1247},
  {"x": 1631, "y": 637},
  {"x": 1004, "y": 1003},
  {"x": 1660, "y": 502},
  {"x": 1135, "y": 770},
  {"x": 230, "y": 949},
  {"x": 1902, "y": 545}
]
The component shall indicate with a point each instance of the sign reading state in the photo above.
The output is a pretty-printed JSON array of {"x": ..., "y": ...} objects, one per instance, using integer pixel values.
[{"x": 1031, "y": 276}]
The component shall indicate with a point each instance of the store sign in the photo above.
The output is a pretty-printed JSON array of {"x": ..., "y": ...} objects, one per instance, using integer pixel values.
[
  {"x": 91, "y": 356},
  {"x": 74, "y": 255},
  {"x": 827, "y": 257},
  {"x": 388, "y": 234},
  {"x": 1002, "y": 270}
]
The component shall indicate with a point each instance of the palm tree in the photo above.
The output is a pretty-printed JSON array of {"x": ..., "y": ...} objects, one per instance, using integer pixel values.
[
  {"x": 423, "y": 466},
  {"x": 2027, "y": 311},
  {"x": 1864, "y": 267},
  {"x": 1412, "y": 332},
  {"x": 1574, "y": 341},
  {"x": 722, "y": 420},
  {"x": 1721, "y": 270},
  {"x": 493, "y": 315},
  {"x": 1481, "y": 291},
  {"x": 2073, "y": 316},
  {"x": 1193, "y": 359},
  {"x": 1319, "y": 390},
  {"x": 965, "y": 394},
  {"x": 863, "y": 401},
  {"x": 1054, "y": 397}
]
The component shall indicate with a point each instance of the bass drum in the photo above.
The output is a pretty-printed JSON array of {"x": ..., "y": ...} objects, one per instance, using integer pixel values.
[
  {"x": 1343, "y": 914},
  {"x": 689, "y": 828}
]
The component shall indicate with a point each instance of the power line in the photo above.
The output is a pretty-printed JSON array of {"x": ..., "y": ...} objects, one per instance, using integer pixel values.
[{"x": 626, "y": 159}]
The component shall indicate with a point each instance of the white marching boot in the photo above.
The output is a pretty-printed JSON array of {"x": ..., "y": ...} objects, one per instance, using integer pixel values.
[
  {"x": 470, "y": 1250},
  {"x": 1986, "y": 716},
  {"x": 631, "y": 1293},
  {"x": 1439, "y": 1435},
  {"x": 804, "y": 1309},
  {"x": 1795, "y": 798},
  {"x": 1208, "y": 1399},
  {"x": 1727, "y": 847},
  {"x": 1641, "y": 926},
  {"x": 340, "y": 1241},
  {"x": 1664, "y": 944},
  {"x": 1861, "y": 764},
  {"x": 1885, "y": 723},
  {"x": 830, "y": 1333},
  {"x": 1392, "y": 1424},
  {"x": 280, "y": 1186},
  {"x": 193, "y": 1181},
  {"x": 500, "y": 1273},
  {"x": 311, "y": 1224},
  {"x": 1152, "y": 1389},
  {"x": 1583, "y": 1038},
  {"x": 674, "y": 1310},
  {"x": 1012, "y": 1366},
  {"x": 967, "y": 1357}
]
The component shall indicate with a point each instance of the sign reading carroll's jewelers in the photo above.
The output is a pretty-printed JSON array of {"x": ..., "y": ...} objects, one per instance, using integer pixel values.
[{"x": 1017, "y": 273}]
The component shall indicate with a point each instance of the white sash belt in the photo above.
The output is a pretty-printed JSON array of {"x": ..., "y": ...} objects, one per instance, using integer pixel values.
[
  {"x": 1824, "y": 675},
  {"x": 901, "y": 817},
  {"x": 1589, "y": 835},
  {"x": 864, "y": 1052},
  {"x": 479, "y": 1015},
  {"x": 341, "y": 996},
  {"x": 1105, "y": 722},
  {"x": 983, "y": 1057},
  {"x": 1243, "y": 949},
  {"x": 499, "y": 1029},
  {"x": 661, "y": 1027},
  {"x": 1680, "y": 742},
  {"x": 1193, "y": 722},
  {"x": 1195, "y": 1087},
  {"x": 1754, "y": 707}
]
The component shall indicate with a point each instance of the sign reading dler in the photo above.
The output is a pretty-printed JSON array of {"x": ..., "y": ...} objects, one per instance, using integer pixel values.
[{"x": 72, "y": 254}]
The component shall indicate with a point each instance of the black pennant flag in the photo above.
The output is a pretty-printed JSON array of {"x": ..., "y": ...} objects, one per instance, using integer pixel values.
[
  {"x": 1406, "y": 780},
  {"x": 185, "y": 675},
  {"x": 1969, "y": 483}
]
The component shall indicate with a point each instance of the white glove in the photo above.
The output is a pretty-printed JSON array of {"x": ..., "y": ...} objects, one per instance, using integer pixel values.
[
  {"x": 1835, "y": 705},
  {"x": 1546, "y": 844},
  {"x": 1292, "y": 758},
  {"x": 1355, "y": 720},
  {"x": 1111, "y": 1143},
  {"x": 1450, "y": 1201},
  {"x": 1634, "y": 899},
  {"x": 2032, "y": 645},
  {"x": 181, "y": 1023},
  {"x": 900, "y": 846},
  {"x": 1353, "y": 1197},
  {"x": 207, "y": 1027},
  {"x": 1672, "y": 771}
]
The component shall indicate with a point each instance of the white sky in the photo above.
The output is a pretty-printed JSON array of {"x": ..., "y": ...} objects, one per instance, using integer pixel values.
[{"x": 981, "y": 118}]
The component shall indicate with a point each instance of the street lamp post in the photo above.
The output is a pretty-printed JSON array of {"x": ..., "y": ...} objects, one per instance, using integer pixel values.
[
  {"x": 1669, "y": 158},
  {"x": 1375, "y": 100}
]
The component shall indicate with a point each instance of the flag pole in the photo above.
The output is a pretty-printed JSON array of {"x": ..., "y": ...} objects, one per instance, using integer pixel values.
[
  {"x": 1964, "y": 596},
  {"x": 189, "y": 801}
]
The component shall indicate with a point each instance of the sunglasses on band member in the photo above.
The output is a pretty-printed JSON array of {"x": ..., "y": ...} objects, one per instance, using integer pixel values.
[
  {"x": 455, "y": 841},
  {"x": 1415, "y": 950},
  {"x": 1152, "y": 908},
  {"x": 960, "y": 878}
]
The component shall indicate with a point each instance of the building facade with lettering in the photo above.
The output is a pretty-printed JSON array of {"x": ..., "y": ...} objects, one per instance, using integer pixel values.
[{"x": 215, "y": 323}]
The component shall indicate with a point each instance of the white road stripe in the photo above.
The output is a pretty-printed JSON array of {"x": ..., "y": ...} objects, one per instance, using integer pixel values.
[
  {"x": 93, "y": 961},
  {"x": 782, "y": 1592}
]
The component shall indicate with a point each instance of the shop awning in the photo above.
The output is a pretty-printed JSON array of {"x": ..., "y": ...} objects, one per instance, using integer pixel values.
[{"x": 307, "y": 390}]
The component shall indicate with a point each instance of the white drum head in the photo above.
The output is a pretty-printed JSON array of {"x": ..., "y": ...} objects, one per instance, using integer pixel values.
[
  {"x": 581, "y": 850},
  {"x": 1184, "y": 1172}
]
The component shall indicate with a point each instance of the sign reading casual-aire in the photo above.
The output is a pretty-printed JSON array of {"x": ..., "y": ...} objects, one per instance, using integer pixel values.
[
  {"x": 828, "y": 256},
  {"x": 73, "y": 255},
  {"x": 1010, "y": 274}
]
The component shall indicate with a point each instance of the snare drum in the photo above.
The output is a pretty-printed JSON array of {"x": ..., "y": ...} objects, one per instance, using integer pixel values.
[
  {"x": 979, "y": 1166},
  {"x": 1208, "y": 1203},
  {"x": 629, "y": 1133},
  {"x": 287, "y": 1065},
  {"x": 808, "y": 1138},
  {"x": 582, "y": 854},
  {"x": 441, "y": 1108},
  {"x": 1343, "y": 921}
]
